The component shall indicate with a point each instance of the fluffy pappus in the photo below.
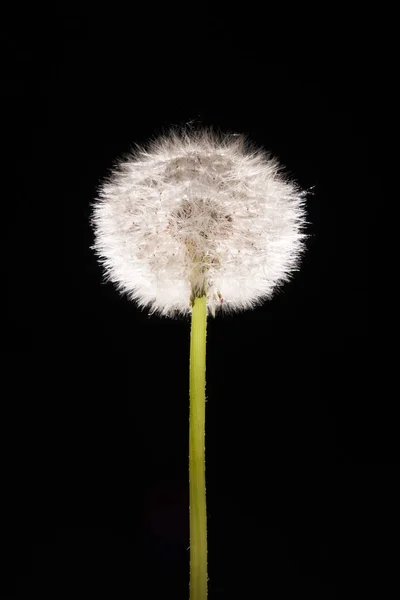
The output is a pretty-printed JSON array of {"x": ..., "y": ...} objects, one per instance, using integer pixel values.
[{"x": 196, "y": 212}]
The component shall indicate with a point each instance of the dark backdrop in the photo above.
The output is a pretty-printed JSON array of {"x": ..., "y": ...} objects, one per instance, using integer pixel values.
[{"x": 96, "y": 440}]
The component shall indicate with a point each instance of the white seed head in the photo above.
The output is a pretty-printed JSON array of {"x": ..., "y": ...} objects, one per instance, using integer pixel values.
[{"x": 198, "y": 212}]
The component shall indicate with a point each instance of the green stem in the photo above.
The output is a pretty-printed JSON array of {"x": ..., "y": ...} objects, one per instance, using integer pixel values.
[{"x": 197, "y": 481}]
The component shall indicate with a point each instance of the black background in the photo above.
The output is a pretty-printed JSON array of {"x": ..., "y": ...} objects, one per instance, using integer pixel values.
[{"x": 96, "y": 438}]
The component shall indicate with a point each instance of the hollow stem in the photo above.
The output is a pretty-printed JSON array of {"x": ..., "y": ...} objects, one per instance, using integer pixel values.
[{"x": 197, "y": 482}]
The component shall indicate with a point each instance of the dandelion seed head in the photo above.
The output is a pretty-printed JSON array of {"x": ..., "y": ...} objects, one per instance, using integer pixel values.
[{"x": 196, "y": 212}]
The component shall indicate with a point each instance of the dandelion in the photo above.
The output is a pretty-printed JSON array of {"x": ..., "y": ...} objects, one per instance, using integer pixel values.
[{"x": 196, "y": 223}]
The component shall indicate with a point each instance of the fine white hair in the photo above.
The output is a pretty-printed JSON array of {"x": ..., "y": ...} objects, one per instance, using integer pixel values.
[{"x": 198, "y": 212}]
